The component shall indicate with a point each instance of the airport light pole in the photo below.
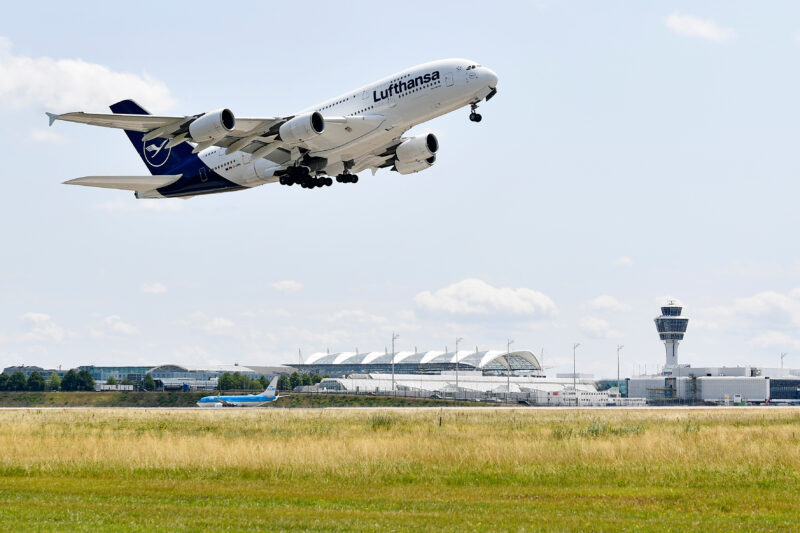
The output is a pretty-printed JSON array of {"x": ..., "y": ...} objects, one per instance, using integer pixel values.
[
  {"x": 395, "y": 336},
  {"x": 575, "y": 373},
  {"x": 619, "y": 387},
  {"x": 457, "y": 341},
  {"x": 783, "y": 355},
  {"x": 508, "y": 364}
]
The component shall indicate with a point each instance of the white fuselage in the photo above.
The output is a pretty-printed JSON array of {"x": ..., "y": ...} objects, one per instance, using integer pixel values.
[{"x": 361, "y": 121}]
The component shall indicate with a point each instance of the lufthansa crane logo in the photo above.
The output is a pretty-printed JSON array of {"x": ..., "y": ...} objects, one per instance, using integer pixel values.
[{"x": 156, "y": 152}]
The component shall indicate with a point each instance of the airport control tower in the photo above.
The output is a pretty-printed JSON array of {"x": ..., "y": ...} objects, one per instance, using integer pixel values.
[{"x": 671, "y": 326}]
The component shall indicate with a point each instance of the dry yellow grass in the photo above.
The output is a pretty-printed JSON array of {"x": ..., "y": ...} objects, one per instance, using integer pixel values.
[{"x": 263, "y": 439}]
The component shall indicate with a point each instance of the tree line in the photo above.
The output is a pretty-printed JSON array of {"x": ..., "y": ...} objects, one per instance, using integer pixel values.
[
  {"x": 236, "y": 381},
  {"x": 83, "y": 381},
  {"x": 72, "y": 381}
]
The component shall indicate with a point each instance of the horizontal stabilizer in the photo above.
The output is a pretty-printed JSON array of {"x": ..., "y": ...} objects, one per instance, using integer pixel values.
[{"x": 127, "y": 183}]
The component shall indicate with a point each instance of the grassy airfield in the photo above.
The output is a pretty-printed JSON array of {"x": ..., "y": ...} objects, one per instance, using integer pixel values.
[{"x": 517, "y": 470}]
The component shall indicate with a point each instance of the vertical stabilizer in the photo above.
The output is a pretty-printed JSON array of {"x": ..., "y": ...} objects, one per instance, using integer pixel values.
[
  {"x": 155, "y": 154},
  {"x": 271, "y": 389}
]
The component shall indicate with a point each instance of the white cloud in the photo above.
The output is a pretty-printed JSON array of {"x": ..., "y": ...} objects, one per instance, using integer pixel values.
[
  {"x": 153, "y": 288},
  {"x": 36, "y": 318},
  {"x": 41, "y": 135},
  {"x": 769, "y": 308},
  {"x": 767, "y": 318},
  {"x": 598, "y": 328},
  {"x": 609, "y": 303},
  {"x": 476, "y": 297},
  {"x": 624, "y": 261},
  {"x": 219, "y": 326},
  {"x": 694, "y": 27},
  {"x": 287, "y": 286},
  {"x": 113, "y": 324},
  {"x": 44, "y": 328},
  {"x": 777, "y": 339},
  {"x": 72, "y": 84},
  {"x": 212, "y": 325}
]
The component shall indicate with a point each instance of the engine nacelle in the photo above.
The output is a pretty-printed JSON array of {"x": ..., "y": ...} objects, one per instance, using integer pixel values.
[
  {"x": 302, "y": 128},
  {"x": 212, "y": 126},
  {"x": 414, "y": 166},
  {"x": 417, "y": 149}
]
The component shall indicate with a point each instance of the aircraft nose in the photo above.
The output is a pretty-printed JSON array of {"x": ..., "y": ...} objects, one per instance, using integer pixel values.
[{"x": 492, "y": 77}]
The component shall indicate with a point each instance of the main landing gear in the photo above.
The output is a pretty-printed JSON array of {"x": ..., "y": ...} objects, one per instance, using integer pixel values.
[
  {"x": 347, "y": 178},
  {"x": 473, "y": 116},
  {"x": 312, "y": 183},
  {"x": 300, "y": 176}
]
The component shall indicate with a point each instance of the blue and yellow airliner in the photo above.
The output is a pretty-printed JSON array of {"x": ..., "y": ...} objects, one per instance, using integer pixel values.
[{"x": 248, "y": 400}]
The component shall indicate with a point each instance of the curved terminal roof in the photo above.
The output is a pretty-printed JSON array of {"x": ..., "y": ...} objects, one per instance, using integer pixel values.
[
  {"x": 490, "y": 360},
  {"x": 196, "y": 368}
]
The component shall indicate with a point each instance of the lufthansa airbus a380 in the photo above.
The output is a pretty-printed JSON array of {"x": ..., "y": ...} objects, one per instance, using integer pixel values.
[{"x": 359, "y": 130}]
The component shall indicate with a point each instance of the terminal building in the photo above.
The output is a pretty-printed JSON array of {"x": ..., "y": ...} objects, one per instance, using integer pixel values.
[
  {"x": 683, "y": 383},
  {"x": 488, "y": 363},
  {"x": 493, "y": 375},
  {"x": 474, "y": 385}
]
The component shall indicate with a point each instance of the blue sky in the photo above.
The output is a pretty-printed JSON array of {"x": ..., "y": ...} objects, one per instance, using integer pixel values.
[{"x": 634, "y": 151}]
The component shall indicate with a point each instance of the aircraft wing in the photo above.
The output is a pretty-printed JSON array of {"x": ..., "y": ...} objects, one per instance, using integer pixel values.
[
  {"x": 126, "y": 183},
  {"x": 379, "y": 158},
  {"x": 251, "y": 133}
]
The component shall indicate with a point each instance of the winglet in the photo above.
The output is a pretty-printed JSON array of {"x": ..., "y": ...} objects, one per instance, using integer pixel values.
[{"x": 51, "y": 116}]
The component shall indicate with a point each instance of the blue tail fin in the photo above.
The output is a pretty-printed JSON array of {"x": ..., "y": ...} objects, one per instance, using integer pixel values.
[{"x": 155, "y": 154}]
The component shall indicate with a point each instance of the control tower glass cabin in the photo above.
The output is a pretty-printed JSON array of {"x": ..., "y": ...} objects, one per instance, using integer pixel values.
[{"x": 671, "y": 327}]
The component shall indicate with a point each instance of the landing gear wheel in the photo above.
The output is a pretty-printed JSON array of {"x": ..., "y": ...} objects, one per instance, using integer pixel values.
[
  {"x": 347, "y": 178},
  {"x": 473, "y": 116},
  {"x": 328, "y": 182}
]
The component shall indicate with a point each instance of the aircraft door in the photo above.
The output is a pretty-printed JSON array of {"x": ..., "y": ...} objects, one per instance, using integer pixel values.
[
  {"x": 203, "y": 174},
  {"x": 448, "y": 79}
]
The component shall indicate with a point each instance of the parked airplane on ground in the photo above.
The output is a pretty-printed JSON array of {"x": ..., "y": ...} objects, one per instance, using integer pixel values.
[
  {"x": 359, "y": 130},
  {"x": 249, "y": 400}
]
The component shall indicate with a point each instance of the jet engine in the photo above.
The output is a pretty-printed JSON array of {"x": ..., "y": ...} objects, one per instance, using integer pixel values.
[
  {"x": 212, "y": 126},
  {"x": 414, "y": 166},
  {"x": 302, "y": 128},
  {"x": 417, "y": 149}
]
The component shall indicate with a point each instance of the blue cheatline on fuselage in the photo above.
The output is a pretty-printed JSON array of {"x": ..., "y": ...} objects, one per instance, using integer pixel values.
[
  {"x": 248, "y": 400},
  {"x": 240, "y": 400}
]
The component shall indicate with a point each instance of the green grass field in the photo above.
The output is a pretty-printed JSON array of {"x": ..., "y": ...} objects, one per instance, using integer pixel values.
[{"x": 397, "y": 470}]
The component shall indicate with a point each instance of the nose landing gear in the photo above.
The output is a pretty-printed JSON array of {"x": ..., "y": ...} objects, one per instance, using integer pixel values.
[{"x": 473, "y": 116}]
